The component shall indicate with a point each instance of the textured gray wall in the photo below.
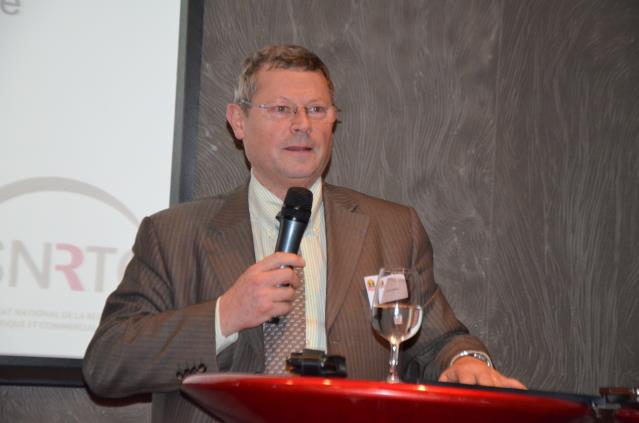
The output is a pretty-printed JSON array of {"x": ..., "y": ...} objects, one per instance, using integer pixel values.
[
  {"x": 512, "y": 127},
  {"x": 565, "y": 270}
]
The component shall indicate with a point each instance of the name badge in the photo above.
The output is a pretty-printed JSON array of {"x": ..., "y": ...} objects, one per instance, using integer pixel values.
[
  {"x": 393, "y": 288},
  {"x": 369, "y": 284}
]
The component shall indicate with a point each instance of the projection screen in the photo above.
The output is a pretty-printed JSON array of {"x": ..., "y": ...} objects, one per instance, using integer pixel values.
[{"x": 87, "y": 110}]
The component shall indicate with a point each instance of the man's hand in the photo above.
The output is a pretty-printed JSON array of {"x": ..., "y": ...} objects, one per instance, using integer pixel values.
[
  {"x": 260, "y": 293},
  {"x": 471, "y": 371}
]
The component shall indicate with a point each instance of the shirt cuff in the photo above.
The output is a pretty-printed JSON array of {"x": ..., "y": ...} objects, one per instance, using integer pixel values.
[{"x": 221, "y": 341}]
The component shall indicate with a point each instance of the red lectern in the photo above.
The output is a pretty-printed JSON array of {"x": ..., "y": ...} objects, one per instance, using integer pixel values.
[{"x": 258, "y": 398}]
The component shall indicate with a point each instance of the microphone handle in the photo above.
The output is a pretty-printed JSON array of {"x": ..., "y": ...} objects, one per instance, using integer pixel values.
[
  {"x": 288, "y": 241},
  {"x": 290, "y": 236}
]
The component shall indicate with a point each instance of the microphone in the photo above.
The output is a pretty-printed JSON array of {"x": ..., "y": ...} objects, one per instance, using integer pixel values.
[{"x": 293, "y": 218}]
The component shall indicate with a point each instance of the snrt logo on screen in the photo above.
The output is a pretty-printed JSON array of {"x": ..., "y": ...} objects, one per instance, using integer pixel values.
[{"x": 63, "y": 234}]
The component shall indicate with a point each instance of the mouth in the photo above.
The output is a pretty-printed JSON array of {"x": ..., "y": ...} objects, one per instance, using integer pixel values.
[{"x": 298, "y": 149}]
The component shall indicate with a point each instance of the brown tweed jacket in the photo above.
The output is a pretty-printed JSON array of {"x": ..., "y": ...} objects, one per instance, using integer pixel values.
[{"x": 158, "y": 325}]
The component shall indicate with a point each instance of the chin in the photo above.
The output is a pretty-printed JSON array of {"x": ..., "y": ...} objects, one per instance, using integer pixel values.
[
  {"x": 297, "y": 173},
  {"x": 301, "y": 180},
  {"x": 301, "y": 171}
]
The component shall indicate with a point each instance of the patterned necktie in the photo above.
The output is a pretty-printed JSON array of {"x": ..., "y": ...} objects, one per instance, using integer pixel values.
[{"x": 286, "y": 336}]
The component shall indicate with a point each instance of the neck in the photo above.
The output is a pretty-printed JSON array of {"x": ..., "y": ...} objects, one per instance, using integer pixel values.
[{"x": 280, "y": 190}]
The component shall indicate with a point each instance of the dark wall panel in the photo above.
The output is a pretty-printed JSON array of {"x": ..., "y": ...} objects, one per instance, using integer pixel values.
[{"x": 567, "y": 196}]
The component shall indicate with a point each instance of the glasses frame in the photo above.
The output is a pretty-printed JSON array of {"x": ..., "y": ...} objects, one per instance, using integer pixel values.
[{"x": 295, "y": 109}]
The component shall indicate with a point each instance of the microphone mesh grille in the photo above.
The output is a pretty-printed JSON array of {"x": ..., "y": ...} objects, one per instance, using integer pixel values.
[{"x": 299, "y": 197}]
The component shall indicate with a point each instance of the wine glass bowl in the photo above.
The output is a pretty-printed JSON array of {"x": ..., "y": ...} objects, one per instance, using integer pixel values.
[{"x": 397, "y": 310}]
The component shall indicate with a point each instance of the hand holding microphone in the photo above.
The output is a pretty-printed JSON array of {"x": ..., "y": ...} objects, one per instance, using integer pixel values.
[{"x": 267, "y": 288}]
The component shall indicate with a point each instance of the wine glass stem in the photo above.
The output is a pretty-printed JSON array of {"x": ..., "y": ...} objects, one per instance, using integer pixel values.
[{"x": 394, "y": 360}]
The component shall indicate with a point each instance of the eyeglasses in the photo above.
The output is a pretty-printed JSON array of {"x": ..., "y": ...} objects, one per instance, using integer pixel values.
[{"x": 285, "y": 111}]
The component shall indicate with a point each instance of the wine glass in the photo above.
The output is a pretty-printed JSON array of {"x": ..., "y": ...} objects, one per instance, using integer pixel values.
[{"x": 397, "y": 310}]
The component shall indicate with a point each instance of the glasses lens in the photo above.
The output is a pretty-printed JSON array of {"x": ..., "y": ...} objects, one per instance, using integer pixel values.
[
  {"x": 317, "y": 112},
  {"x": 283, "y": 111},
  {"x": 278, "y": 111}
]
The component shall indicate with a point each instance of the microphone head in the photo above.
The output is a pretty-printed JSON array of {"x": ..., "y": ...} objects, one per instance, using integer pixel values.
[{"x": 297, "y": 204}]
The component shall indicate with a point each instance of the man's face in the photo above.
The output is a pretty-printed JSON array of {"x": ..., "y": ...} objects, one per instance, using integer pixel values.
[{"x": 285, "y": 152}]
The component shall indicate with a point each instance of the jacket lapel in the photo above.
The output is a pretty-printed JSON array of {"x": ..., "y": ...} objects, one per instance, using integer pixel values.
[
  {"x": 345, "y": 233},
  {"x": 232, "y": 252},
  {"x": 231, "y": 238}
]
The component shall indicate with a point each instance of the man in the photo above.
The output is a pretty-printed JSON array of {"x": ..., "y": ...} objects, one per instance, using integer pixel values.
[{"x": 203, "y": 286}]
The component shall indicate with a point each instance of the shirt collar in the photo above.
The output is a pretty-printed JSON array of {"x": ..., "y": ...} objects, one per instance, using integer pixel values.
[{"x": 264, "y": 206}]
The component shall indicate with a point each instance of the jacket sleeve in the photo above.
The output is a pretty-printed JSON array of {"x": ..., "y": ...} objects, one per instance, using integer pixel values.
[
  {"x": 144, "y": 343},
  {"x": 442, "y": 336}
]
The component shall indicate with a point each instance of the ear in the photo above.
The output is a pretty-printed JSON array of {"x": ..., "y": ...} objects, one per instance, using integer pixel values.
[{"x": 235, "y": 117}]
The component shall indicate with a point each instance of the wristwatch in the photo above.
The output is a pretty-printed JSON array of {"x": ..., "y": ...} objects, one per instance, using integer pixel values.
[{"x": 479, "y": 355}]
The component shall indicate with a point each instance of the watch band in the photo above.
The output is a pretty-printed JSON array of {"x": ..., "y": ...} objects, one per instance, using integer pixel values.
[{"x": 479, "y": 355}]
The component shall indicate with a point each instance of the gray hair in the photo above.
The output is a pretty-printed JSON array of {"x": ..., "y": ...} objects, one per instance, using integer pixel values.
[{"x": 278, "y": 56}]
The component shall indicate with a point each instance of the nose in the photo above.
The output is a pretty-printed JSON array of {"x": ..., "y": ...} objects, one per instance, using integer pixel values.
[{"x": 301, "y": 121}]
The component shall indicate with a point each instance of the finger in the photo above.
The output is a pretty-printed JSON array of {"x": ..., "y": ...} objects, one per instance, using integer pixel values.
[
  {"x": 279, "y": 259},
  {"x": 283, "y": 294},
  {"x": 273, "y": 308},
  {"x": 512, "y": 383},
  {"x": 445, "y": 376},
  {"x": 506, "y": 382},
  {"x": 467, "y": 378},
  {"x": 280, "y": 309},
  {"x": 486, "y": 379},
  {"x": 284, "y": 277}
]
